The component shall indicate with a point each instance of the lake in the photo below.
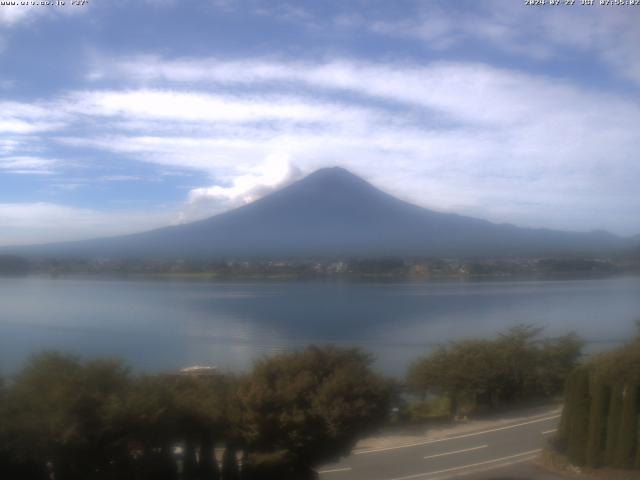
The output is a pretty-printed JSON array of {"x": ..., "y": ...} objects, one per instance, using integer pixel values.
[{"x": 158, "y": 325}]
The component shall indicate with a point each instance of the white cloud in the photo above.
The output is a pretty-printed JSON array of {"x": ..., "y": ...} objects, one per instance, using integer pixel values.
[
  {"x": 462, "y": 137},
  {"x": 26, "y": 118},
  {"x": 119, "y": 178},
  {"x": 27, "y": 165},
  {"x": 24, "y": 13},
  {"x": 20, "y": 126},
  {"x": 191, "y": 106},
  {"x": 466, "y": 92},
  {"x": 8, "y": 145},
  {"x": 276, "y": 172},
  {"x": 470, "y": 95},
  {"x": 605, "y": 33},
  {"x": 13, "y": 14}
]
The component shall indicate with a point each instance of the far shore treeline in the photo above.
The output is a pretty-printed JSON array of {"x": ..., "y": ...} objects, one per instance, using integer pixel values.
[
  {"x": 328, "y": 267},
  {"x": 69, "y": 419}
]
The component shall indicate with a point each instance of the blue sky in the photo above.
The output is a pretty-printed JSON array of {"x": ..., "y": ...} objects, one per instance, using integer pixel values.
[{"x": 120, "y": 116}]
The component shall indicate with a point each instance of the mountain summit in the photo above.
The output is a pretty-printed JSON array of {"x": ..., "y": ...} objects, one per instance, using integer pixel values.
[{"x": 334, "y": 212}]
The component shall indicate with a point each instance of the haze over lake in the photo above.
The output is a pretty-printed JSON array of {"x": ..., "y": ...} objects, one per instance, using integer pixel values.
[{"x": 160, "y": 325}]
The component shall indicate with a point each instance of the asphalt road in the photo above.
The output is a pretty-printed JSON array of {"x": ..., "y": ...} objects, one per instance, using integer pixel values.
[{"x": 503, "y": 451}]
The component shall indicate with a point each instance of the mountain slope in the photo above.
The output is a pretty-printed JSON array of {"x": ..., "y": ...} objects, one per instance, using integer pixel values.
[{"x": 333, "y": 212}]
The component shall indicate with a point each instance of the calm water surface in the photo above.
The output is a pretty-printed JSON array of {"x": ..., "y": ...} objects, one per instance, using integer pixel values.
[{"x": 156, "y": 325}]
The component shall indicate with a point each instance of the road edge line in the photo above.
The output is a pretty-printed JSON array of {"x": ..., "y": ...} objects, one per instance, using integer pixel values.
[
  {"x": 456, "y": 437},
  {"x": 529, "y": 455}
]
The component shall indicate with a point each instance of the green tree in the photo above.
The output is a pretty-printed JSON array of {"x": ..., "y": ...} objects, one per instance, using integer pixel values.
[
  {"x": 613, "y": 424},
  {"x": 167, "y": 410},
  {"x": 562, "y": 437},
  {"x": 428, "y": 374},
  {"x": 628, "y": 430},
  {"x": 516, "y": 365},
  {"x": 579, "y": 419},
  {"x": 312, "y": 404},
  {"x": 600, "y": 395},
  {"x": 608, "y": 385},
  {"x": 467, "y": 373},
  {"x": 61, "y": 411},
  {"x": 520, "y": 362},
  {"x": 230, "y": 469},
  {"x": 557, "y": 357}
]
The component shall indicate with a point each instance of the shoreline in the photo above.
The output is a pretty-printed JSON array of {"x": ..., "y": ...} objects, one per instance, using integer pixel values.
[{"x": 347, "y": 278}]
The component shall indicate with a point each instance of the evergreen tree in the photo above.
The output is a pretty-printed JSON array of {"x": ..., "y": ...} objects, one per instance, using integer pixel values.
[
  {"x": 562, "y": 436},
  {"x": 600, "y": 395},
  {"x": 613, "y": 424},
  {"x": 628, "y": 430},
  {"x": 579, "y": 420}
]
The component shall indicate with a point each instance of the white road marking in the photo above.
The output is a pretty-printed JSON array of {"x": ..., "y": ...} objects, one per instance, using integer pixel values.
[
  {"x": 475, "y": 434},
  {"x": 334, "y": 470},
  {"x": 485, "y": 468},
  {"x": 472, "y": 465},
  {"x": 547, "y": 432},
  {"x": 456, "y": 451}
]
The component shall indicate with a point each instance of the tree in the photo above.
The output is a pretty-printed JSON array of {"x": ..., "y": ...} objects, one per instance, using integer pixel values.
[
  {"x": 562, "y": 437},
  {"x": 192, "y": 411},
  {"x": 579, "y": 418},
  {"x": 151, "y": 419},
  {"x": 312, "y": 404},
  {"x": 628, "y": 430},
  {"x": 93, "y": 421},
  {"x": 518, "y": 364},
  {"x": 428, "y": 374},
  {"x": 230, "y": 463},
  {"x": 613, "y": 424},
  {"x": 558, "y": 356},
  {"x": 600, "y": 394},
  {"x": 608, "y": 388},
  {"x": 60, "y": 411}
]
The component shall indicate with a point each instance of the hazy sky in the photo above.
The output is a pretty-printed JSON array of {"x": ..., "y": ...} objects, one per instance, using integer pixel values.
[{"x": 125, "y": 115}]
